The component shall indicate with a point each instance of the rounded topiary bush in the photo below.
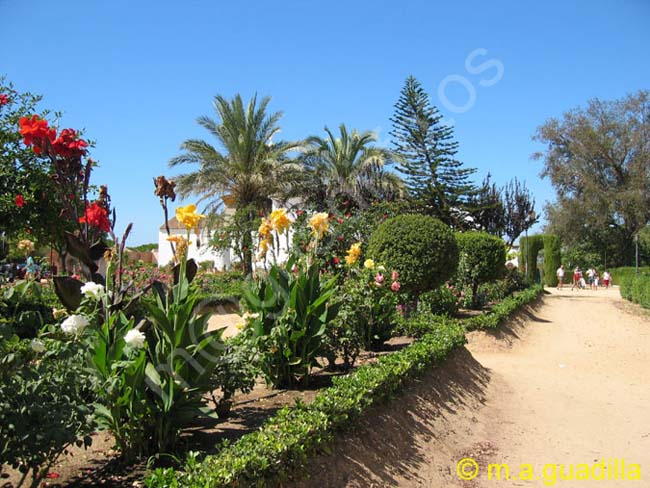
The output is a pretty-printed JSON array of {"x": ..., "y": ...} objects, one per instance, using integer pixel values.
[
  {"x": 422, "y": 249},
  {"x": 482, "y": 259}
]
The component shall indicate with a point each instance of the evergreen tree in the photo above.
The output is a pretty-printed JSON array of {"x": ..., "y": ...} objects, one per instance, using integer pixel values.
[
  {"x": 488, "y": 209},
  {"x": 432, "y": 173}
]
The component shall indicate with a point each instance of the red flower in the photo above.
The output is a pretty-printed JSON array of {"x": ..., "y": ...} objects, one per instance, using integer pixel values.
[
  {"x": 336, "y": 260},
  {"x": 4, "y": 99},
  {"x": 69, "y": 145},
  {"x": 36, "y": 133},
  {"x": 96, "y": 216},
  {"x": 52, "y": 475},
  {"x": 20, "y": 201},
  {"x": 339, "y": 220},
  {"x": 340, "y": 238}
]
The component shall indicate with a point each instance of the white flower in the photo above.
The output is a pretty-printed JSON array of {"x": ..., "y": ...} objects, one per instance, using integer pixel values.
[
  {"x": 92, "y": 290},
  {"x": 74, "y": 324},
  {"x": 37, "y": 345},
  {"x": 381, "y": 268},
  {"x": 134, "y": 338}
]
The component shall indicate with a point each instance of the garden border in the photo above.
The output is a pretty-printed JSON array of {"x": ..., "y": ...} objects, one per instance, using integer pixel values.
[{"x": 285, "y": 441}]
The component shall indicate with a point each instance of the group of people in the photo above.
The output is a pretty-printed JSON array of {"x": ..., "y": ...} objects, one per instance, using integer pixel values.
[{"x": 592, "y": 281}]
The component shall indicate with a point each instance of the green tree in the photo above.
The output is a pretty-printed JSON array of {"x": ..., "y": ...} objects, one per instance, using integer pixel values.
[
  {"x": 29, "y": 206},
  {"x": 430, "y": 168},
  {"x": 488, "y": 209},
  {"x": 596, "y": 158},
  {"x": 248, "y": 166},
  {"x": 519, "y": 210},
  {"x": 346, "y": 171}
]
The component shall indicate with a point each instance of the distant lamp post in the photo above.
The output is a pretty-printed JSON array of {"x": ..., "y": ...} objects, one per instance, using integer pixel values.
[
  {"x": 530, "y": 220},
  {"x": 636, "y": 253}
]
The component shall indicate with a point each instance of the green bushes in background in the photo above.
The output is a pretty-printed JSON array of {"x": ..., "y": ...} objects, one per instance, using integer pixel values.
[
  {"x": 530, "y": 248},
  {"x": 482, "y": 258}
]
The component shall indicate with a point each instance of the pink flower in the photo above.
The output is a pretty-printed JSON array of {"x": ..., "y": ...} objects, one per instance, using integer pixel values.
[
  {"x": 395, "y": 275},
  {"x": 379, "y": 278},
  {"x": 395, "y": 286}
]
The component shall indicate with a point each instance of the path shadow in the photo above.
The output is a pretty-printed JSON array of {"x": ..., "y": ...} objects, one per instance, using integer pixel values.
[{"x": 382, "y": 445}]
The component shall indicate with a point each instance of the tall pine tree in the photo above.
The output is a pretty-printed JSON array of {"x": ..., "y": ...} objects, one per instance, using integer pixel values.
[{"x": 430, "y": 169}]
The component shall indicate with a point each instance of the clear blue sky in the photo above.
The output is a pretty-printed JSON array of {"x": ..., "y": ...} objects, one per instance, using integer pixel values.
[{"x": 136, "y": 74}]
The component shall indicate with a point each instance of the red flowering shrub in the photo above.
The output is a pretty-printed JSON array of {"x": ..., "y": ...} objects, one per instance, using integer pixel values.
[
  {"x": 96, "y": 216},
  {"x": 20, "y": 201}
]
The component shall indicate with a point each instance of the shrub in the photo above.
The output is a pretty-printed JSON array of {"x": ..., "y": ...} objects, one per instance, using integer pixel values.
[
  {"x": 552, "y": 259},
  {"x": 444, "y": 300},
  {"x": 422, "y": 249},
  {"x": 501, "y": 311},
  {"x": 25, "y": 307},
  {"x": 482, "y": 259},
  {"x": 44, "y": 403},
  {"x": 636, "y": 288},
  {"x": 619, "y": 274}
]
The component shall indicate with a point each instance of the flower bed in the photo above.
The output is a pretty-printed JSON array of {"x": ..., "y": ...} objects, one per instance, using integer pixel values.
[{"x": 287, "y": 439}]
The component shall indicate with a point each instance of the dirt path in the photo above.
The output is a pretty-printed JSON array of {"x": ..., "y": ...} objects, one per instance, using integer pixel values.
[{"x": 568, "y": 382}]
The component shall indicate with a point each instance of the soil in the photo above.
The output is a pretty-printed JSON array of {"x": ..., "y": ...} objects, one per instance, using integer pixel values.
[{"x": 565, "y": 382}]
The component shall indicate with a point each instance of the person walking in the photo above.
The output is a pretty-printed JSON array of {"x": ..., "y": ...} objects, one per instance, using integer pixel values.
[
  {"x": 577, "y": 276},
  {"x": 560, "y": 277},
  {"x": 607, "y": 279}
]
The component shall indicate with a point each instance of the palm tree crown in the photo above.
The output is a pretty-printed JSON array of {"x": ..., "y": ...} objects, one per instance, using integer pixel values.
[{"x": 348, "y": 167}]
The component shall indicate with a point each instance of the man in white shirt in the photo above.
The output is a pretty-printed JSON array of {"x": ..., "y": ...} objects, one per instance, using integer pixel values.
[{"x": 560, "y": 276}]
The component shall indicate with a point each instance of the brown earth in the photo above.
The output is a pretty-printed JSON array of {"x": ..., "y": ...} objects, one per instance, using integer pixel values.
[{"x": 564, "y": 383}]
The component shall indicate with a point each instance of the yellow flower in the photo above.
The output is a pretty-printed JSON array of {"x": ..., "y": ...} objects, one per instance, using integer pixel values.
[
  {"x": 369, "y": 264},
  {"x": 319, "y": 223},
  {"x": 280, "y": 220},
  {"x": 59, "y": 313},
  {"x": 188, "y": 217},
  {"x": 264, "y": 246},
  {"x": 353, "y": 253},
  {"x": 181, "y": 246},
  {"x": 266, "y": 226},
  {"x": 26, "y": 245}
]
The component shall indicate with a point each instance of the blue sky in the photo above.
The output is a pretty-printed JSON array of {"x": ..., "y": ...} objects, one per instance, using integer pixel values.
[{"x": 135, "y": 75}]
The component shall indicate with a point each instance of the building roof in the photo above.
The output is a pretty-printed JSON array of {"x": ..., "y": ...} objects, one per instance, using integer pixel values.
[{"x": 174, "y": 224}]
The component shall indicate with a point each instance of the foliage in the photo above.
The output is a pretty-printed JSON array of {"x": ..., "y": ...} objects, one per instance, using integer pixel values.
[
  {"x": 44, "y": 403},
  {"x": 288, "y": 437},
  {"x": 444, "y": 300},
  {"x": 422, "y": 249},
  {"x": 236, "y": 370},
  {"x": 248, "y": 168},
  {"x": 431, "y": 171},
  {"x": 552, "y": 259},
  {"x": 636, "y": 288},
  {"x": 344, "y": 173},
  {"x": 27, "y": 206},
  {"x": 596, "y": 159},
  {"x": 227, "y": 285},
  {"x": 293, "y": 312},
  {"x": 25, "y": 308},
  {"x": 422, "y": 322},
  {"x": 519, "y": 210},
  {"x": 488, "y": 210},
  {"x": 501, "y": 311},
  {"x": 620, "y": 274},
  {"x": 482, "y": 258}
]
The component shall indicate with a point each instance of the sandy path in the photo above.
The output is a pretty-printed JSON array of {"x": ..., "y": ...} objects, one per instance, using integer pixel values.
[{"x": 566, "y": 383}]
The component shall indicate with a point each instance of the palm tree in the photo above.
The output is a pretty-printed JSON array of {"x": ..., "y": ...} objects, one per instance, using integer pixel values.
[
  {"x": 248, "y": 166},
  {"x": 346, "y": 171}
]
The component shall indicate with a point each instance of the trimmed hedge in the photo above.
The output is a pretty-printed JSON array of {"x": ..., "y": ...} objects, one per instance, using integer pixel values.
[
  {"x": 636, "y": 288},
  {"x": 502, "y": 310},
  {"x": 286, "y": 440},
  {"x": 482, "y": 259},
  {"x": 422, "y": 249},
  {"x": 620, "y": 274}
]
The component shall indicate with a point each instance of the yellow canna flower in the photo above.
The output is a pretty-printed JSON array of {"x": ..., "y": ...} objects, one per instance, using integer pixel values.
[
  {"x": 266, "y": 226},
  {"x": 280, "y": 220},
  {"x": 188, "y": 217},
  {"x": 319, "y": 223},
  {"x": 353, "y": 253},
  {"x": 264, "y": 246},
  {"x": 369, "y": 264}
]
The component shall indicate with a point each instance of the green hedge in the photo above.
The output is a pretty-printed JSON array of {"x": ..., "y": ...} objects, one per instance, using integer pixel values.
[
  {"x": 286, "y": 440},
  {"x": 636, "y": 288},
  {"x": 502, "y": 310},
  {"x": 620, "y": 274}
]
